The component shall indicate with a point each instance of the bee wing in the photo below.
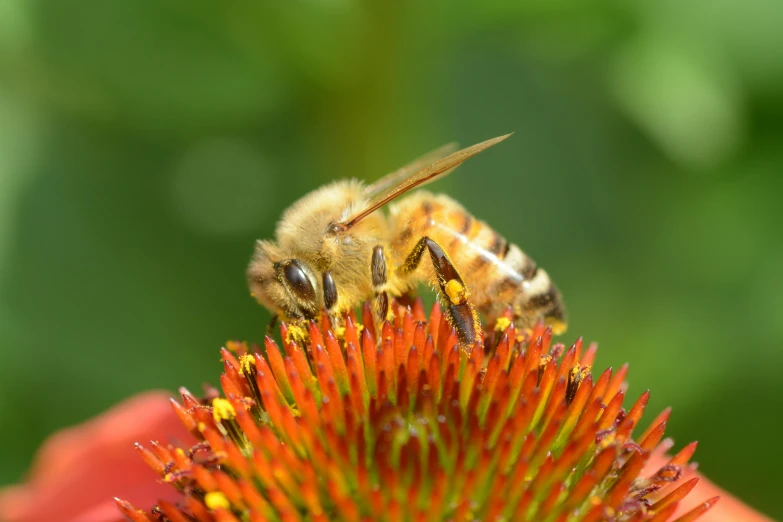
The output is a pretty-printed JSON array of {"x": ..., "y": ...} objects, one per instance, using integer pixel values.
[
  {"x": 435, "y": 170},
  {"x": 398, "y": 176}
]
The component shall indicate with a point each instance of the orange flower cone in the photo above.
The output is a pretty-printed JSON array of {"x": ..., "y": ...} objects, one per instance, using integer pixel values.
[{"x": 411, "y": 427}]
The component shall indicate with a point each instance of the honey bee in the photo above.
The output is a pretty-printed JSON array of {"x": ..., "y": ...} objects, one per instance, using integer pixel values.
[{"x": 334, "y": 249}]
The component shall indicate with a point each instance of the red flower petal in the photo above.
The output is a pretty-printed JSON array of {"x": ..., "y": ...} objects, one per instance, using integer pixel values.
[{"x": 78, "y": 470}]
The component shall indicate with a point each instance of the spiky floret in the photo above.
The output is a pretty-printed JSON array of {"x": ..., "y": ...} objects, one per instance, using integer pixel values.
[{"x": 412, "y": 428}]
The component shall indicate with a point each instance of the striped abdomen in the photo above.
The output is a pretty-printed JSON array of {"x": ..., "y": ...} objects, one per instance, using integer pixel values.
[{"x": 498, "y": 274}]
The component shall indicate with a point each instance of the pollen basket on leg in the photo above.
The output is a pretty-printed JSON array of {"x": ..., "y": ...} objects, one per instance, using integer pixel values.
[
  {"x": 456, "y": 292},
  {"x": 498, "y": 274}
]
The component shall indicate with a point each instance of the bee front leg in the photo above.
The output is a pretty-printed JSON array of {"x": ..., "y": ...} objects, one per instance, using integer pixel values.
[
  {"x": 330, "y": 292},
  {"x": 379, "y": 279},
  {"x": 330, "y": 298},
  {"x": 453, "y": 291},
  {"x": 270, "y": 328}
]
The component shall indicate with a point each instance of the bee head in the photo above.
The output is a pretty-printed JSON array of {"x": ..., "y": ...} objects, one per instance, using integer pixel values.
[{"x": 281, "y": 282}]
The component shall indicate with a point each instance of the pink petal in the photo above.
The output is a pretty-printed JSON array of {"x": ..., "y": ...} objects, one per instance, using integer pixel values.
[
  {"x": 80, "y": 469},
  {"x": 728, "y": 509}
]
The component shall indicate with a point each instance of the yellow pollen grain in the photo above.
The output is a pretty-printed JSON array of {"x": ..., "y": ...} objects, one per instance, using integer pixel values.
[
  {"x": 558, "y": 326},
  {"x": 246, "y": 362},
  {"x": 456, "y": 291},
  {"x": 222, "y": 409},
  {"x": 216, "y": 499},
  {"x": 236, "y": 346},
  {"x": 296, "y": 333},
  {"x": 201, "y": 426},
  {"x": 502, "y": 323},
  {"x": 607, "y": 441}
]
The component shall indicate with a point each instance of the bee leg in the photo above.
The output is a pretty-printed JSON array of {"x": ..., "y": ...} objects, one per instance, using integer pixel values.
[
  {"x": 330, "y": 292},
  {"x": 272, "y": 323},
  {"x": 330, "y": 312},
  {"x": 379, "y": 279},
  {"x": 453, "y": 291}
]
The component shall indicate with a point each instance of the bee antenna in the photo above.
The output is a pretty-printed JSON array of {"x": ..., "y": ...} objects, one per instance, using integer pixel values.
[{"x": 336, "y": 228}]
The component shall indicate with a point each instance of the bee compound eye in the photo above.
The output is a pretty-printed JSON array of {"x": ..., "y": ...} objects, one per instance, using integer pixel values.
[{"x": 297, "y": 281}]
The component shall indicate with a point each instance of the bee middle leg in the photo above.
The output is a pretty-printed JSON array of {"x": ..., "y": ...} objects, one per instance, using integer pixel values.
[{"x": 453, "y": 291}]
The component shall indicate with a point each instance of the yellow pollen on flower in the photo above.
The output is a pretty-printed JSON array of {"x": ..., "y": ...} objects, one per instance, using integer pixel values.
[
  {"x": 502, "y": 323},
  {"x": 607, "y": 441},
  {"x": 246, "y": 362},
  {"x": 222, "y": 409},
  {"x": 296, "y": 333},
  {"x": 168, "y": 477},
  {"x": 201, "y": 426},
  {"x": 579, "y": 373},
  {"x": 216, "y": 499},
  {"x": 456, "y": 291}
]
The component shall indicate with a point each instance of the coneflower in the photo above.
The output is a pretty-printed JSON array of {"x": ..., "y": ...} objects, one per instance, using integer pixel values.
[{"x": 404, "y": 425}]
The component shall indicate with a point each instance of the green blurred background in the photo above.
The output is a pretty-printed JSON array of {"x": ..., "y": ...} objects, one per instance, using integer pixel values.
[{"x": 145, "y": 144}]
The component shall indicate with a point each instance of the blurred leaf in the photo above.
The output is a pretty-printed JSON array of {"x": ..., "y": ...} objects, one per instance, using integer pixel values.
[{"x": 688, "y": 103}]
